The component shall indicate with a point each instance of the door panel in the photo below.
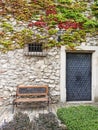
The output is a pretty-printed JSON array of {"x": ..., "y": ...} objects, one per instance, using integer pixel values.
[{"x": 78, "y": 77}]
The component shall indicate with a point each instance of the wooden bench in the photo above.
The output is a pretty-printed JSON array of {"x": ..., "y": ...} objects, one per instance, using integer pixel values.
[{"x": 31, "y": 94}]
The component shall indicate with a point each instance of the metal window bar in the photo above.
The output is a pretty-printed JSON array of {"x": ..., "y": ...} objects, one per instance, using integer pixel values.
[{"x": 35, "y": 47}]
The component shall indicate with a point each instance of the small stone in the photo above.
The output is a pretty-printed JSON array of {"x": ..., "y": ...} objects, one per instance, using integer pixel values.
[
  {"x": 14, "y": 23},
  {"x": 11, "y": 19},
  {"x": 63, "y": 127},
  {"x": 1, "y": 103}
]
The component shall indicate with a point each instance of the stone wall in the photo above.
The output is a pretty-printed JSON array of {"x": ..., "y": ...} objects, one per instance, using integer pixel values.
[{"x": 16, "y": 69}]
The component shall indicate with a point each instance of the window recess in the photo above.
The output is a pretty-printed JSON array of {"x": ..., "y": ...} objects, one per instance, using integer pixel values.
[{"x": 35, "y": 49}]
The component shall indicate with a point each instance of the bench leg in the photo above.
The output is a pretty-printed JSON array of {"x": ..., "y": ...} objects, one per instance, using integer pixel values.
[
  {"x": 13, "y": 107},
  {"x": 48, "y": 103},
  {"x": 14, "y": 104}
]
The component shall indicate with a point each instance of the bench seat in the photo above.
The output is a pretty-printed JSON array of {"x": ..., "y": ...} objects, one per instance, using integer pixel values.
[{"x": 31, "y": 100}]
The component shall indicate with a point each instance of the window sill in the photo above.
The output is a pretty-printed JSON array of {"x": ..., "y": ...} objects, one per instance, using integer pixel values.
[{"x": 42, "y": 54}]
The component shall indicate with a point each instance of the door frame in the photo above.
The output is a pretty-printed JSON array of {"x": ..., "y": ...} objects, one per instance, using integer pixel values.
[{"x": 82, "y": 49}]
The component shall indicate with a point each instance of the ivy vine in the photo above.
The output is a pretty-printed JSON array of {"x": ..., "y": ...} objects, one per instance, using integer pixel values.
[
  {"x": 24, "y": 22},
  {"x": 94, "y": 8}
]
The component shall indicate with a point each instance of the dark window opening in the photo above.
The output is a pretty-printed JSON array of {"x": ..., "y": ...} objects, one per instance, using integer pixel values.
[
  {"x": 59, "y": 39},
  {"x": 35, "y": 47}
]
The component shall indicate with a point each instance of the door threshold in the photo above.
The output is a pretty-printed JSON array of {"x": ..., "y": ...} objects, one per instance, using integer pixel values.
[{"x": 80, "y": 102}]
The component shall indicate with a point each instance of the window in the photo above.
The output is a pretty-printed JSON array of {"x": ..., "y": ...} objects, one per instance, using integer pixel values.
[{"x": 34, "y": 49}]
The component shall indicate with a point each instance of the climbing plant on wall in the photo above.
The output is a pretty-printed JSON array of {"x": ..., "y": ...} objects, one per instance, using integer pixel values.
[
  {"x": 94, "y": 8},
  {"x": 28, "y": 21}
]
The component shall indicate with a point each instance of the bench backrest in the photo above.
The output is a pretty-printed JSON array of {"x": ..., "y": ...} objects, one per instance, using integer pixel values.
[{"x": 23, "y": 90}]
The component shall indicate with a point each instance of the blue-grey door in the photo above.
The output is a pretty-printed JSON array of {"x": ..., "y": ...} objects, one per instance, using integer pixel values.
[{"x": 78, "y": 76}]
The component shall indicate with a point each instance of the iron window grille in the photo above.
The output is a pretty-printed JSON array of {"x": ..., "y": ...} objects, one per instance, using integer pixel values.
[{"x": 35, "y": 49}]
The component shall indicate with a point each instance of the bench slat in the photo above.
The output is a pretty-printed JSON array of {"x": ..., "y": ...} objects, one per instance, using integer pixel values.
[
  {"x": 30, "y": 94},
  {"x": 31, "y": 100}
]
